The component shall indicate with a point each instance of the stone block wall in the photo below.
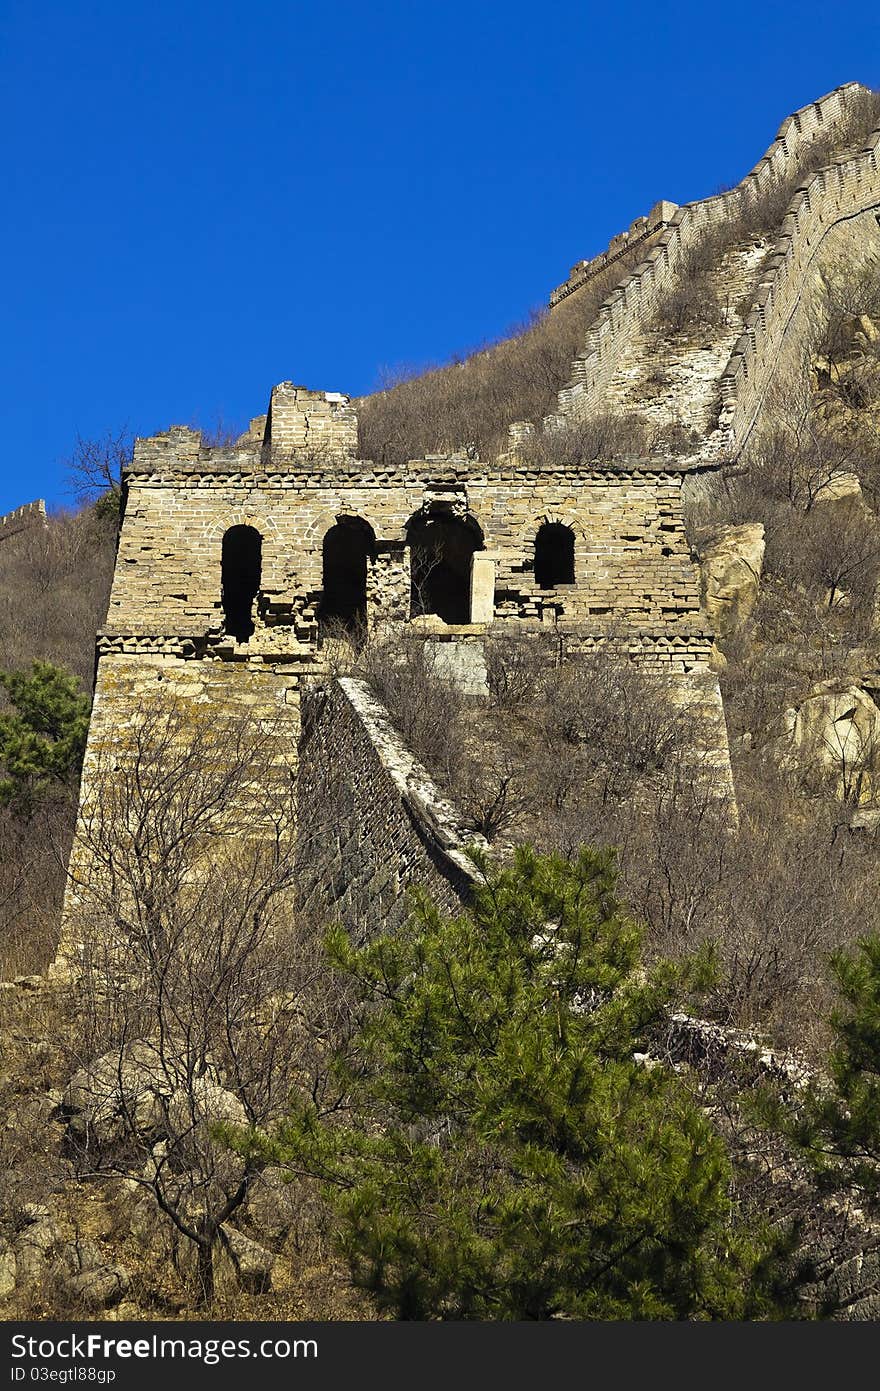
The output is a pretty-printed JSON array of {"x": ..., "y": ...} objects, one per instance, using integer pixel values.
[
  {"x": 632, "y": 561},
  {"x": 844, "y": 191},
  {"x": 24, "y": 518},
  {"x": 634, "y": 302},
  {"x": 372, "y": 822},
  {"x": 131, "y": 687},
  {"x": 641, "y": 231},
  {"x": 322, "y": 422}
]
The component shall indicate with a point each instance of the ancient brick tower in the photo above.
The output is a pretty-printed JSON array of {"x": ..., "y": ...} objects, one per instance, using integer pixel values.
[{"x": 236, "y": 561}]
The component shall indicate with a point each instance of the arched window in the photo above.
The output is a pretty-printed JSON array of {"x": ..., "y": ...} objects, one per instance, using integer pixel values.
[
  {"x": 347, "y": 548},
  {"x": 240, "y": 572},
  {"x": 441, "y": 554},
  {"x": 554, "y": 555}
]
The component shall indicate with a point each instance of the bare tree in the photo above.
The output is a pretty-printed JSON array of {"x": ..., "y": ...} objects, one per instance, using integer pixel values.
[
  {"x": 193, "y": 976},
  {"x": 95, "y": 467}
]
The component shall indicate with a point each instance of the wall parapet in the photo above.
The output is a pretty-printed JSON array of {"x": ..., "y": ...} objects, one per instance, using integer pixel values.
[
  {"x": 640, "y": 231},
  {"x": 635, "y": 300},
  {"x": 24, "y": 518},
  {"x": 845, "y": 188},
  {"x": 373, "y": 823}
]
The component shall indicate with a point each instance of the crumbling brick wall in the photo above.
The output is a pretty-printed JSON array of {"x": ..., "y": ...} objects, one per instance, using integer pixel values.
[
  {"x": 372, "y": 823},
  {"x": 631, "y": 557}
]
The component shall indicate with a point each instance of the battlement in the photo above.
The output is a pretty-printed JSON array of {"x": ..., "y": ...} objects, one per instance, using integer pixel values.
[
  {"x": 850, "y": 184},
  {"x": 640, "y": 231},
  {"x": 314, "y": 421},
  {"x": 24, "y": 518},
  {"x": 795, "y": 135}
]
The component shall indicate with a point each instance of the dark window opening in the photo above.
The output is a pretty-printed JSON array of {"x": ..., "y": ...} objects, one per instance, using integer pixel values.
[
  {"x": 347, "y": 549},
  {"x": 240, "y": 572},
  {"x": 554, "y": 555},
  {"x": 441, "y": 554}
]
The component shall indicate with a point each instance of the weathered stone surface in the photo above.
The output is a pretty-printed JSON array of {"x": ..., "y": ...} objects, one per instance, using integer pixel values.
[
  {"x": 8, "y": 1271},
  {"x": 116, "y": 1093},
  {"x": 140, "y": 1091},
  {"x": 462, "y": 664},
  {"x": 245, "y": 1262},
  {"x": 482, "y": 588},
  {"x": 834, "y": 730},
  {"x": 731, "y": 561},
  {"x": 272, "y": 1204},
  {"x": 99, "y": 1288},
  {"x": 839, "y": 488},
  {"x": 33, "y": 1244}
]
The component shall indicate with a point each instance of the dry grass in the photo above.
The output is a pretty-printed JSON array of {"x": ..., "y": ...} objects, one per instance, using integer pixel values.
[{"x": 469, "y": 403}]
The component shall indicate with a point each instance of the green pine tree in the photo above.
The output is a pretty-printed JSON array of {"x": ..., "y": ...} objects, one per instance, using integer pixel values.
[
  {"x": 42, "y": 733},
  {"x": 834, "y": 1121},
  {"x": 505, "y": 1155}
]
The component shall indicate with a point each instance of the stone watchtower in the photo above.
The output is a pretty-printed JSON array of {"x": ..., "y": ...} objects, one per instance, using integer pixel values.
[
  {"x": 238, "y": 566},
  {"x": 236, "y": 563}
]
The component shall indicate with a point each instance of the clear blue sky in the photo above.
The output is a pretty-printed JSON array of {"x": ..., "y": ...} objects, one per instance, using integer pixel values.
[{"x": 204, "y": 197}]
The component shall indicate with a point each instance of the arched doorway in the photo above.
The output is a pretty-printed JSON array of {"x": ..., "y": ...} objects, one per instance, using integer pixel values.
[
  {"x": 346, "y": 551},
  {"x": 554, "y": 555},
  {"x": 441, "y": 554},
  {"x": 241, "y": 568}
]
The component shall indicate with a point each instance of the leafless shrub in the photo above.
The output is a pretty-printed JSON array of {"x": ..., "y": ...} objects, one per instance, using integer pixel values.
[
  {"x": 515, "y": 670},
  {"x": 606, "y": 437},
  {"x": 835, "y": 552},
  {"x": 764, "y": 213},
  {"x": 423, "y": 708},
  {"x": 54, "y": 587},
  {"x": 95, "y": 467},
  {"x": 193, "y": 974},
  {"x": 620, "y": 718},
  {"x": 494, "y": 793},
  {"x": 471, "y": 402}
]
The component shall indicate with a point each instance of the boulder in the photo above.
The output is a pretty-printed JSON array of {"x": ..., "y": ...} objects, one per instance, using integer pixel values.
[
  {"x": 8, "y": 1271},
  {"x": 115, "y": 1090},
  {"x": 272, "y": 1204},
  {"x": 247, "y": 1262},
  {"x": 731, "y": 560},
  {"x": 205, "y": 1102},
  {"x": 33, "y": 1244},
  {"x": 833, "y": 731},
  {"x": 840, "y": 487},
  {"x": 139, "y": 1089},
  {"x": 99, "y": 1287}
]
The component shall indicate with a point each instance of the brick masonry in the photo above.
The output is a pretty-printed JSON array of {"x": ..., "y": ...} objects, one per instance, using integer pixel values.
[{"x": 294, "y": 475}]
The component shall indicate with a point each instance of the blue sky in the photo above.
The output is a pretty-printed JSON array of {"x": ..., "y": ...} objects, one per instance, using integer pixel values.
[{"x": 204, "y": 197}]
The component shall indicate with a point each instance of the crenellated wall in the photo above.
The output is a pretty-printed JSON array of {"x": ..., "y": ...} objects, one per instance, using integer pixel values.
[
  {"x": 638, "y": 233},
  {"x": 847, "y": 188},
  {"x": 636, "y": 300},
  {"x": 24, "y": 518}
]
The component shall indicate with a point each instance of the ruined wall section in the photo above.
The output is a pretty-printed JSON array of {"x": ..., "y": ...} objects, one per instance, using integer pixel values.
[
  {"x": 843, "y": 191},
  {"x": 321, "y": 422},
  {"x": 640, "y": 232},
  {"x": 636, "y": 300},
  {"x": 132, "y": 687},
  {"x": 632, "y": 560},
  {"x": 25, "y": 518},
  {"x": 372, "y": 822}
]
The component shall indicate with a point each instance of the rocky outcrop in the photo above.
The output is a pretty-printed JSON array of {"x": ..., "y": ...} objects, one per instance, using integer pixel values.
[
  {"x": 833, "y": 732},
  {"x": 139, "y": 1090},
  {"x": 731, "y": 559}
]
